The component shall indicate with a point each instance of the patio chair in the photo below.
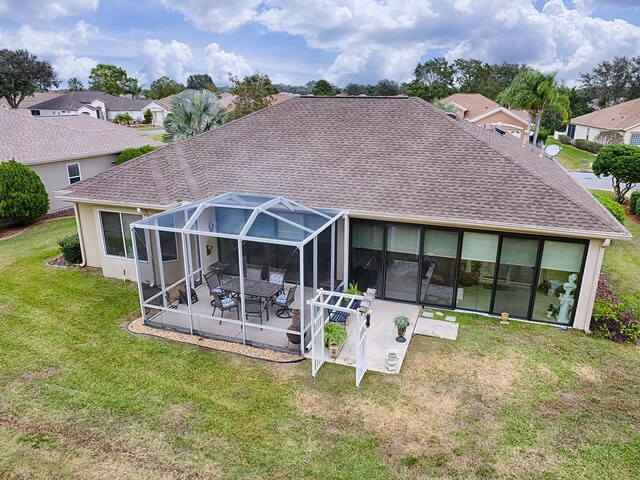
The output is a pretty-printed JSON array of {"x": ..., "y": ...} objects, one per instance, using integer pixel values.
[
  {"x": 224, "y": 304},
  {"x": 276, "y": 275},
  {"x": 284, "y": 301},
  {"x": 253, "y": 272},
  {"x": 214, "y": 284},
  {"x": 254, "y": 308}
]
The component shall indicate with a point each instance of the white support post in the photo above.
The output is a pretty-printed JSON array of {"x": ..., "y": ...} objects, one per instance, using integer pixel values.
[
  {"x": 315, "y": 264},
  {"x": 332, "y": 282},
  {"x": 242, "y": 302},
  {"x": 136, "y": 261},
  {"x": 345, "y": 257},
  {"x": 161, "y": 267},
  {"x": 303, "y": 307},
  {"x": 186, "y": 263}
]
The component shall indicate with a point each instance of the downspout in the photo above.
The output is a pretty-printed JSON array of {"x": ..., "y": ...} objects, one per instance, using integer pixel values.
[{"x": 80, "y": 236}]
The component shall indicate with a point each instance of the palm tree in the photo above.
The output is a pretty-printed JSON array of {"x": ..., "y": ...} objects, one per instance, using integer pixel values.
[
  {"x": 535, "y": 92},
  {"x": 74, "y": 84},
  {"x": 193, "y": 112}
]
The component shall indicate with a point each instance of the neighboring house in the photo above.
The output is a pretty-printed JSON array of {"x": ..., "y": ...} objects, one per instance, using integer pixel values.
[
  {"x": 227, "y": 100},
  {"x": 486, "y": 113},
  {"x": 31, "y": 100},
  {"x": 63, "y": 150},
  {"x": 99, "y": 105},
  {"x": 440, "y": 211},
  {"x": 623, "y": 118}
]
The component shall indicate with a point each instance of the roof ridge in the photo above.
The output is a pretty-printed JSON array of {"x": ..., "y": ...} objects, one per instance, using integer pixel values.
[{"x": 520, "y": 166}]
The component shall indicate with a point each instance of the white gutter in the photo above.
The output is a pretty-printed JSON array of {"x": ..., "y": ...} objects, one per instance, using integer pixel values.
[
  {"x": 147, "y": 206},
  {"x": 81, "y": 155}
]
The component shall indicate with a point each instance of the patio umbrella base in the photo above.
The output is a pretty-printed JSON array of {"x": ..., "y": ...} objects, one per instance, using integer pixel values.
[{"x": 401, "y": 339}]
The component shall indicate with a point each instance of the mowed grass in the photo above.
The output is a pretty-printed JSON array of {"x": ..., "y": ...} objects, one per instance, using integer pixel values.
[
  {"x": 570, "y": 157},
  {"x": 158, "y": 137},
  {"x": 82, "y": 397}
]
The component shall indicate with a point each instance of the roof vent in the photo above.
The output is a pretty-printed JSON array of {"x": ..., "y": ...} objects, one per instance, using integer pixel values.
[{"x": 452, "y": 115}]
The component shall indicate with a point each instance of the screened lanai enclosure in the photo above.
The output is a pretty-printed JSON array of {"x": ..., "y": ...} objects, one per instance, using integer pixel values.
[{"x": 234, "y": 267}]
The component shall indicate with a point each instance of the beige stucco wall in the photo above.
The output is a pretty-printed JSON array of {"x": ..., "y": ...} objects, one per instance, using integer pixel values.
[
  {"x": 504, "y": 121},
  {"x": 54, "y": 175},
  {"x": 586, "y": 133},
  {"x": 589, "y": 284}
]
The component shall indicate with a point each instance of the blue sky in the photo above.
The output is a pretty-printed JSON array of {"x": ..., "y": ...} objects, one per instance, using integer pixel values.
[{"x": 295, "y": 41}]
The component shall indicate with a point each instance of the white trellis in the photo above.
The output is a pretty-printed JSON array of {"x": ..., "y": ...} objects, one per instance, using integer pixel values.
[{"x": 322, "y": 305}]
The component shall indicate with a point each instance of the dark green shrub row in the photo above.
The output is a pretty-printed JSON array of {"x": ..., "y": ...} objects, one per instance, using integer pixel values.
[
  {"x": 564, "y": 139},
  {"x": 610, "y": 204},
  {"x": 131, "y": 153},
  {"x": 587, "y": 145},
  {"x": 70, "y": 247},
  {"x": 633, "y": 202},
  {"x": 23, "y": 197}
]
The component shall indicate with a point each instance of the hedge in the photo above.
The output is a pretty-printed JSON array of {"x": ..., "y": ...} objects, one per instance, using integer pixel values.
[
  {"x": 131, "y": 153},
  {"x": 564, "y": 139},
  {"x": 610, "y": 204},
  {"x": 587, "y": 145},
  {"x": 23, "y": 197},
  {"x": 71, "y": 248},
  {"x": 633, "y": 202}
]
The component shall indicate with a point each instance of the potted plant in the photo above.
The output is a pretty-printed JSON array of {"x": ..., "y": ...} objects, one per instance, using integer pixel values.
[
  {"x": 401, "y": 322},
  {"x": 209, "y": 247},
  {"x": 334, "y": 335},
  {"x": 352, "y": 290}
]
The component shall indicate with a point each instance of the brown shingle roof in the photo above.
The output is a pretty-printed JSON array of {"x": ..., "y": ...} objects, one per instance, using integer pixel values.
[
  {"x": 31, "y": 139},
  {"x": 477, "y": 105},
  {"x": 74, "y": 100},
  {"x": 617, "y": 117},
  {"x": 393, "y": 155}
]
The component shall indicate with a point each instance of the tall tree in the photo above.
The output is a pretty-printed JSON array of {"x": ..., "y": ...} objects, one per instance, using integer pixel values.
[
  {"x": 386, "y": 88},
  {"x": 355, "y": 89},
  {"x": 323, "y": 88},
  {"x": 163, "y": 87},
  {"x": 612, "y": 82},
  {"x": 74, "y": 84},
  {"x": 535, "y": 92},
  {"x": 22, "y": 74},
  {"x": 474, "y": 76},
  {"x": 201, "y": 81},
  {"x": 552, "y": 120},
  {"x": 111, "y": 79},
  {"x": 253, "y": 93},
  {"x": 193, "y": 112},
  {"x": 433, "y": 79},
  {"x": 504, "y": 73}
]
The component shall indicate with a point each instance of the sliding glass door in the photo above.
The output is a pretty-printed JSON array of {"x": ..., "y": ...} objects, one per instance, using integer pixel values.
[
  {"x": 439, "y": 258},
  {"x": 477, "y": 271},
  {"x": 402, "y": 265}
]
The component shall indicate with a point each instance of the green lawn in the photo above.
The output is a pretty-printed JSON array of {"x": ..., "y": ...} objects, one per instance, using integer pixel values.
[
  {"x": 81, "y": 397},
  {"x": 158, "y": 137},
  {"x": 570, "y": 157}
]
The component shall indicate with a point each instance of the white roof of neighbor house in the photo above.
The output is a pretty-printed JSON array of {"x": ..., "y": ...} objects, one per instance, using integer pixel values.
[{"x": 32, "y": 140}]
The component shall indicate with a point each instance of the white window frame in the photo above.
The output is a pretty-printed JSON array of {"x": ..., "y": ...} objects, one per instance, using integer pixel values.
[
  {"x": 124, "y": 242},
  {"x": 637, "y": 134},
  {"x": 69, "y": 177}
]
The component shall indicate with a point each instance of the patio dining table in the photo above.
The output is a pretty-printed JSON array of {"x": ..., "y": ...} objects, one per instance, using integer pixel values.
[{"x": 253, "y": 288}]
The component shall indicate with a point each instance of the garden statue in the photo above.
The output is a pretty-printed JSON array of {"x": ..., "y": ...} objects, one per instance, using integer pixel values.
[{"x": 566, "y": 299}]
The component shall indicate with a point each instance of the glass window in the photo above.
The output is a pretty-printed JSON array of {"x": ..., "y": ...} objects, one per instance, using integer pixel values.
[
  {"x": 635, "y": 139},
  {"x": 477, "y": 269},
  {"x": 560, "y": 274},
  {"x": 403, "y": 253},
  {"x": 367, "y": 242},
  {"x": 515, "y": 276},
  {"x": 440, "y": 250},
  {"x": 73, "y": 173},
  {"x": 116, "y": 231},
  {"x": 168, "y": 240}
]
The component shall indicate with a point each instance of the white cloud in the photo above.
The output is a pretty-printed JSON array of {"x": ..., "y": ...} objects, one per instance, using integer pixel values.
[
  {"x": 28, "y": 10},
  {"x": 58, "y": 46},
  {"x": 220, "y": 64},
  {"x": 215, "y": 16},
  {"x": 165, "y": 59}
]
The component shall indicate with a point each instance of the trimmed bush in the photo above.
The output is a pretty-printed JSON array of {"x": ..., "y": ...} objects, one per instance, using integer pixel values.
[
  {"x": 70, "y": 247},
  {"x": 543, "y": 134},
  {"x": 564, "y": 139},
  {"x": 610, "y": 204},
  {"x": 131, "y": 153},
  {"x": 587, "y": 145},
  {"x": 633, "y": 202},
  {"x": 23, "y": 197},
  {"x": 148, "y": 117}
]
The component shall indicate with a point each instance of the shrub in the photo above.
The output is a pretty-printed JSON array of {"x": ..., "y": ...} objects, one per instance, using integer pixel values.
[
  {"x": 615, "y": 317},
  {"x": 564, "y": 139},
  {"x": 148, "y": 117},
  {"x": 130, "y": 153},
  {"x": 611, "y": 205},
  {"x": 543, "y": 134},
  {"x": 122, "y": 118},
  {"x": 587, "y": 145},
  {"x": 609, "y": 137},
  {"x": 70, "y": 247},
  {"x": 633, "y": 202},
  {"x": 23, "y": 197}
]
